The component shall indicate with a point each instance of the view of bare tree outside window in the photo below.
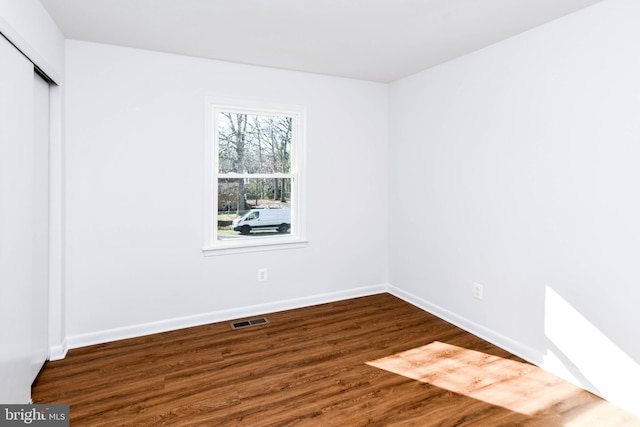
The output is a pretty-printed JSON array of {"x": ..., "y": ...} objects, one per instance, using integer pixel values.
[{"x": 254, "y": 173}]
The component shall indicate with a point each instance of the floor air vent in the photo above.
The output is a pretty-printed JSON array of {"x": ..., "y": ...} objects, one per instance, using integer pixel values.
[{"x": 246, "y": 323}]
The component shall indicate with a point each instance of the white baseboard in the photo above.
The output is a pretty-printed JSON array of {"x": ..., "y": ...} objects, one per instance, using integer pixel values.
[
  {"x": 527, "y": 353},
  {"x": 567, "y": 372},
  {"x": 99, "y": 337},
  {"x": 58, "y": 352}
]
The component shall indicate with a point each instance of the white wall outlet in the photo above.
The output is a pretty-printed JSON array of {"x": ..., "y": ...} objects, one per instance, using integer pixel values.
[
  {"x": 478, "y": 290},
  {"x": 262, "y": 275}
]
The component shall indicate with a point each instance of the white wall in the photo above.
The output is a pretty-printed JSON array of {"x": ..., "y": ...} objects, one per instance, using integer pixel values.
[
  {"x": 135, "y": 140},
  {"x": 517, "y": 167}
]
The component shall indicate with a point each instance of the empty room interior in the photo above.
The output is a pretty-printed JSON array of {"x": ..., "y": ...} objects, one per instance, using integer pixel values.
[{"x": 321, "y": 213}]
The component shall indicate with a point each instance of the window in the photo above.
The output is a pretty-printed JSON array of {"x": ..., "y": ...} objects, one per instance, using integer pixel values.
[{"x": 254, "y": 167}]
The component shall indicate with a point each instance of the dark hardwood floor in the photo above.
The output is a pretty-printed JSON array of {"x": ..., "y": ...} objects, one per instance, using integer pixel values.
[{"x": 374, "y": 361}]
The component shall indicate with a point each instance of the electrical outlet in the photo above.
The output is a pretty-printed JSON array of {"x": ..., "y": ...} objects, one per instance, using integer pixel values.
[
  {"x": 262, "y": 275},
  {"x": 478, "y": 291}
]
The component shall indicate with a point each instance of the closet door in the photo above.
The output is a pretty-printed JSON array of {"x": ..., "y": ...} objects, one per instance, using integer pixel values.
[
  {"x": 40, "y": 318},
  {"x": 16, "y": 224}
]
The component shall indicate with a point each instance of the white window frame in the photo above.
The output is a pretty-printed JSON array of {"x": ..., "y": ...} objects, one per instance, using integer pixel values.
[{"x": 297, "y": 237}]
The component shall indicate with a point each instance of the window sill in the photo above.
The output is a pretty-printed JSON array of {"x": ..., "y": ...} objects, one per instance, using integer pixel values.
[{"x": 254, "y": 245}]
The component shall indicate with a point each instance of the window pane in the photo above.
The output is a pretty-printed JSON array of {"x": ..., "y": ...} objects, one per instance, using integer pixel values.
[
  {"x": 259, "y": 206},
  {"x": 253, "y": 143}
]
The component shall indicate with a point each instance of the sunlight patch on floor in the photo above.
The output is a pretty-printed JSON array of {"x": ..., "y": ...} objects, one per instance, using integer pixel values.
[{"x": 513, "y": 385}]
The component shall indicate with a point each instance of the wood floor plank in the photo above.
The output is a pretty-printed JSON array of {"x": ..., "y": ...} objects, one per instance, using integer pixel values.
[{"x": 371, "y": 361}]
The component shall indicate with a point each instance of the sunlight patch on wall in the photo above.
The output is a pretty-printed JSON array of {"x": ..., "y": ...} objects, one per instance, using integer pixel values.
[
  {"x": 513, "y": 385},
  {"x": 598, "y": 359}
]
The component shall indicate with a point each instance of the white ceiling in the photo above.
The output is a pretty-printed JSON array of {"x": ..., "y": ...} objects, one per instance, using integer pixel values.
[{"x": 378, "y": 40}]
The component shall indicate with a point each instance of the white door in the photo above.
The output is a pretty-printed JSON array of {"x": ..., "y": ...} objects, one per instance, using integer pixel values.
[
  {"x": 16, "y": 224},
  {"x": 40, "y": 318}
]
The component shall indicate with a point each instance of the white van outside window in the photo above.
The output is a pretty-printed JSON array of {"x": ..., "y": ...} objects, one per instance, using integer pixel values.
[
  {"x": 254, "y": 188},
  {"x": 278, "y": 219}
]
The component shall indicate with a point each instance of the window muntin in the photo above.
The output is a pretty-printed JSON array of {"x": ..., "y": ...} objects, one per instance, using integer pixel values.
[{"x": 254, "y": 159}]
